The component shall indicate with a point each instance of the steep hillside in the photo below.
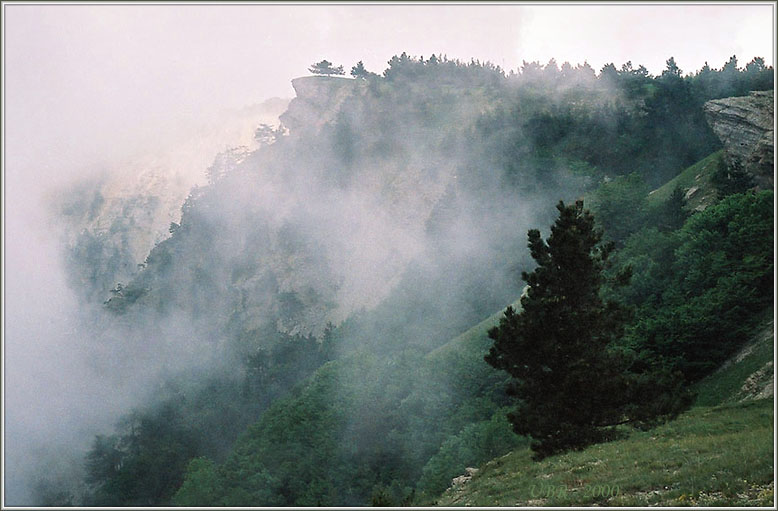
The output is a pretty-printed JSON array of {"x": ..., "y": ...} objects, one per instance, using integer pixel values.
[
  {"x": 749, "y": 374},
  {"x": 719, "y": 453},
  {"x": 330, "y": 217},
  {"x": 299, "y": 331},
  {"x": 399, "y": 413},
  {"x": 112, "y": 218}
]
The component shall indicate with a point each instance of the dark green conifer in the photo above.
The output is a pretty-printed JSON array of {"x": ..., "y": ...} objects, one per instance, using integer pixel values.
[{"x": 572, "y": 381}]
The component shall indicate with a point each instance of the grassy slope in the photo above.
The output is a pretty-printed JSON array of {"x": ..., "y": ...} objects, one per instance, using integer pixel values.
[
  {"x": 473, "y": 340},
  {"x": 697, "y": 176},
  {"x": 708, "y": 456},
  {"x": 718, "y": 453}
]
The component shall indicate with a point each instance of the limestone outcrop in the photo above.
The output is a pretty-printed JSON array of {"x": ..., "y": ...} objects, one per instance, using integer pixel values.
[
  {"x": 317, "y": 102},
  {"x": 745, "y": 125}
]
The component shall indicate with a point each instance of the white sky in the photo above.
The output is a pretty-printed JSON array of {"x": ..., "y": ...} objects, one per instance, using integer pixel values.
[{"x": 85, "y": 77}]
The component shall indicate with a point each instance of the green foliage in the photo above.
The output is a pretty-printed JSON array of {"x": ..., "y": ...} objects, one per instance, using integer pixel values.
[
  {"x": 620, "y": 205},
  {"x": 649, "y": 253},
  {"x": 359, "y": 72},
  {"x": 443, "y": 71},
  {"x": 729, "y": 180},
  {"x": 381, "y": 498},
  {"x": 142, "y": 467},
  {"x": 373, "y": 424},
  {"x": 572, "y": 386},
  {"x": 672, "y": 213},
  {"x": 295, "y": 455},
  {"x": 198, "y": 419},
  {"x": 695, "y": 180},
  {"x": 200, "y": 485},
  {"x": 477, "y": 443},
  {"x": 275, "y": 362},
  {"x": 625, "y": 120},
  {"x": 246, "y": 474},
  {"x": 705, "y": 284}
]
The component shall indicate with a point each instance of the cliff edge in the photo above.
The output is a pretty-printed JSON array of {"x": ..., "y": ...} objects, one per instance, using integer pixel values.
[
  {"x": 317, "y": 102},
  {"x": 745, "y": 125}
]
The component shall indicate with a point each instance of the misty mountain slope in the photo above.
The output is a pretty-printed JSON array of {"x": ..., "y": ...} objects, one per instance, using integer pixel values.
[
  {"x": 118, "y": 211},
  {"x": 379, "y": 407},
  {"x": 325, "y": 221},
  {"x": 299, "y": 317},
  {"x": 365, "y": 419},
  {"x": 300, "y": 234},
  {"x": 452, "y": 419}
]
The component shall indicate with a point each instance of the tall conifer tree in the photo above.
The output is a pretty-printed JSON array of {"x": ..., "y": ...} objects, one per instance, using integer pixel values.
[{"x": 572, "y": 380}]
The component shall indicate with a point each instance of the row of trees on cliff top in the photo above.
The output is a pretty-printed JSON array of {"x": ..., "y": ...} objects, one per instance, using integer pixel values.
[
  {"x": 553, "y": 71},
  {"x": 326, "y": 68}
]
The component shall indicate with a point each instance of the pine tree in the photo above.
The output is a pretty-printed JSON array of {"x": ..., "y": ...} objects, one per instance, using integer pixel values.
[
  {"x": 326, "y": 68},
  {"x": 573, "y": 382},
  {"x": 359, "y": 71}
]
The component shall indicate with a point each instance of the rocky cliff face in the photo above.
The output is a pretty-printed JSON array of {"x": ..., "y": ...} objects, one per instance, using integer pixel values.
[
  {"x": 317, "y": 102},
  {"x": 316, "y": 236},
  {"x": 745, "y": 125},
  {"x": 360, "y": 203}
]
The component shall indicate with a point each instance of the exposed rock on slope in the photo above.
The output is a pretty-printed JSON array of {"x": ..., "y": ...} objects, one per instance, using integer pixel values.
[
  {"x": 317, "y": 101},
  {"x": 760, "y": 384},
  {"x": 747, "y": 375},
  {"x": 745, "y": 126}
]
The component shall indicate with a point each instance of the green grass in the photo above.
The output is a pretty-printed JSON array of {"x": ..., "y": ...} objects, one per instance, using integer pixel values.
[
  {"x": 698, "y": 175},
  {"x": 721, "y": 456}
]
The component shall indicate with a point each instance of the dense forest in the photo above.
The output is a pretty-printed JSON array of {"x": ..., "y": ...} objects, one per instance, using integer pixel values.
[{"x": 306, "y": 314}]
